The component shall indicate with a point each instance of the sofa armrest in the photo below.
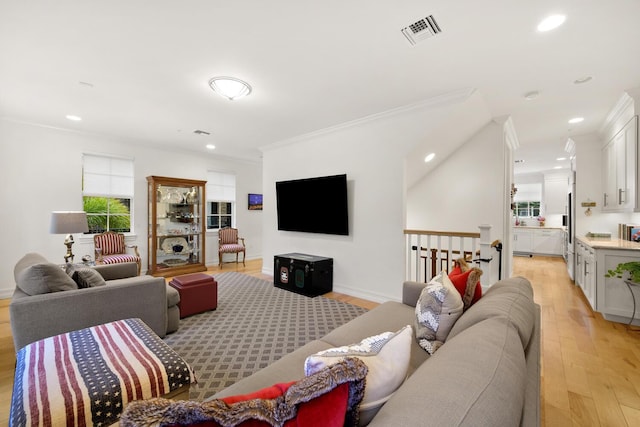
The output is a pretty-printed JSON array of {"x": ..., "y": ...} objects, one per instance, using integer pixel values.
[
  {"x": 117, "y": 271},
  {"x": 411, "y": 292},
  {"x": 34, "y": 317}
]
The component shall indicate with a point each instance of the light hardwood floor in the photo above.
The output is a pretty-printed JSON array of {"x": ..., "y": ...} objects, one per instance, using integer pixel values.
[{"x": 590, "y": 367}]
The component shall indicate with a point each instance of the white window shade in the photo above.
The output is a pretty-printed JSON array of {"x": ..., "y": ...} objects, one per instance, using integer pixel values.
[
  {"x": 221, "y": 186},
  {"x": 528, "y": 192},
  {"x": 107, "y": 176}
]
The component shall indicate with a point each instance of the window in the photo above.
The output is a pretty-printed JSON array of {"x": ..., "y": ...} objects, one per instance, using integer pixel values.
[
  {"x": 527, "y": 209},
  {"x": 527, "y": 200},
  {"x": 221, "y": 200},
  {"x": 107, "y": 192}
]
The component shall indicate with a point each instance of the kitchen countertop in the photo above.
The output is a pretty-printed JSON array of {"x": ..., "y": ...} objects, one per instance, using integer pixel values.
[
  {"x": 536, "y": 227},
  {"x": 601, "y": 243}
]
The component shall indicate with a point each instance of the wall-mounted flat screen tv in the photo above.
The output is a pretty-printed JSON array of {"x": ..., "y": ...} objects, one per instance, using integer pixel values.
[{"x": 313, "y": 205}]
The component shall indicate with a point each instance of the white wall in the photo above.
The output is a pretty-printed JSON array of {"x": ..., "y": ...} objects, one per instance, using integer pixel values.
[
  {"x": 369, "y": 263},
  {"x": 465, "y": 191},
  {"x": 41, "y": 171}
]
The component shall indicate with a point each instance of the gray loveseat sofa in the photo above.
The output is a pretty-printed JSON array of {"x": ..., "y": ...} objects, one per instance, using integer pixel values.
[
  {"x": 487, "y": 373},
  {"x": 47, "y": 302}
]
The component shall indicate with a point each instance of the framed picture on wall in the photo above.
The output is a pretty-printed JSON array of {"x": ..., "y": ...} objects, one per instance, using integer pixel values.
[{"x": 255, "y": 202}]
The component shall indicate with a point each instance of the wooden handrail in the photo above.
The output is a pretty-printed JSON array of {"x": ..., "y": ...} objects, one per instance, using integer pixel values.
[{"x": 443, "y": 233}]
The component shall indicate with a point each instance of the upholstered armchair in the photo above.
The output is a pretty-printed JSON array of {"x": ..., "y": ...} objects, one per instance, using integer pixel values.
[
  {"x": 229, "y": 242},
  {"x": 111, "y": 249}
]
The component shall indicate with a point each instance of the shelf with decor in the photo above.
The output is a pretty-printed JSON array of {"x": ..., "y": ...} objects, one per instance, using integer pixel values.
[{"x": 176, "y": 232}]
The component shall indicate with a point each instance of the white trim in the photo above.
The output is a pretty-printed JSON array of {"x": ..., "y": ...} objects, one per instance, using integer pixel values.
[{"x": 455, "y": 96}]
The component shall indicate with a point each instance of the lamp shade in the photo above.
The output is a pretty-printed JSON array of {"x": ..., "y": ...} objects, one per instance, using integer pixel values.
[{"x": 67, "y": 222}]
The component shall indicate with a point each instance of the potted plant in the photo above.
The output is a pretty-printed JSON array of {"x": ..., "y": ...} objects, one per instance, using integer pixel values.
[
  {"x": 541, "y": 220},
  {"x": 626, "y": 271}
]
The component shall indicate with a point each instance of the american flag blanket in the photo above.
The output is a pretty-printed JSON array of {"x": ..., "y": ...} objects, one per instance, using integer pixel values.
[{"x": 87, "y": 377}]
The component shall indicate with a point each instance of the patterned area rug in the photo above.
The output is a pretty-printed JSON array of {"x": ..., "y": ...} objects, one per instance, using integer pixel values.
[{"x": 254, "y": 325}]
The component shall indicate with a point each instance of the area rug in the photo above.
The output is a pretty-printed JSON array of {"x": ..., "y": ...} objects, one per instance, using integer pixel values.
[{"x": 254, "y": 325}]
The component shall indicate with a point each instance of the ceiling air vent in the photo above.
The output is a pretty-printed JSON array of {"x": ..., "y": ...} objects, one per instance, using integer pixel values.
[{"x": 421, "y": 30}]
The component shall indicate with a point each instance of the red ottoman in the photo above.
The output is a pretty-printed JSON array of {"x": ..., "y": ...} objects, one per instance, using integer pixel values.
[{"x": 198, "y": 293}]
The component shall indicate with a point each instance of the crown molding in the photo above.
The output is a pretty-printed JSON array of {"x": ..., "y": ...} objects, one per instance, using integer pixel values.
[{"x": 449, "y": 98}]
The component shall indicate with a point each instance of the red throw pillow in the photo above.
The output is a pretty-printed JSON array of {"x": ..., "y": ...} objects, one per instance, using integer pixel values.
[
  {"x": 460, "y": 280},
  {"x": 327, "y": 410}
]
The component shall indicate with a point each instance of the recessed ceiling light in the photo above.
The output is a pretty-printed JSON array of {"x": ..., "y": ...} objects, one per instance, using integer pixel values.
[
  {"x": 582, "y": 80},
  {"x": 531, "y": 95},
  {"x": 561, "y": 159},
  {"x": 230, "y": 87},
  {"x": 429, "y": 157},
  {"x": 551, "y": 22},
  {"x": 576, "y": 120},
  {"x": 73, "y": 117},
  {"x": 557, "y": 167},
  {"x": 211, "y": 146}
]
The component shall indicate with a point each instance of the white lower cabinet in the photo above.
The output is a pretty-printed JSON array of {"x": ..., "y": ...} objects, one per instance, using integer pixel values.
[
  {"x": 543, "y": 241},
  {"x": 547, "y": 241},
  {"x": 522, "y": 241},
  {"x": 614, "y": 298}
]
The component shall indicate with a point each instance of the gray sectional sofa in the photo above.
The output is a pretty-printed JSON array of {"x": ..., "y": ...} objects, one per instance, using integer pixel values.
[
  {"x": 47, "y": 302},
  {"x": 487, "y": 373}
]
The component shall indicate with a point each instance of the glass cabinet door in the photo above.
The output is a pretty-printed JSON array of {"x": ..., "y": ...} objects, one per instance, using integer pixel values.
[{"x": 176, "y": 232}]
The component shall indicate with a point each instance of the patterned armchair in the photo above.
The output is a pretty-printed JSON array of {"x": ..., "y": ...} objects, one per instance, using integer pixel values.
[
  {"x": 111, "y": 249},
  {"x": 229, "y": 242}
]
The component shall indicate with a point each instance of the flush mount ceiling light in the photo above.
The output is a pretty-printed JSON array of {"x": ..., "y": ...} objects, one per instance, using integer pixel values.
[
  {"x": 230, "y": 87},
  {"x": 576, "y": 120},
  {"x": 211, "y": 146},
  {"x": 551, "y": 22},
  {"x": 73, "y": 117},
  {"x": 429, "y": 157}
]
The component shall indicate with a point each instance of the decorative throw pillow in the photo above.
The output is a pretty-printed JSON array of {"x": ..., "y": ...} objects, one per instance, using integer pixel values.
[
  {"x": 44, "y": 278},
  {"x": 468, "y": 285},
  {"x": 387, "y": 357},
  {"x": 87, "y": 278},
  {"x": 328, "y": 398},
  {"x": 438, "y": 308}
]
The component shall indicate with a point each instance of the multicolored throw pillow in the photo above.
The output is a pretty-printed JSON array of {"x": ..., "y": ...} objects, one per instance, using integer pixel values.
[
  {"x": 437, "y": 310},
  {"x": 387, "y": 357},
  {"x": 329, "y": 398}
]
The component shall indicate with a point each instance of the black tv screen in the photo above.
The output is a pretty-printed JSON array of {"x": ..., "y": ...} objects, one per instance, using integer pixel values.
[{"x": 313, "y": 205}]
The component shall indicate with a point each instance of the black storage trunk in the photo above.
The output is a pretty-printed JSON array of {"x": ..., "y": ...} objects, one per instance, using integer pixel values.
[{"x": 308, "y": 275}]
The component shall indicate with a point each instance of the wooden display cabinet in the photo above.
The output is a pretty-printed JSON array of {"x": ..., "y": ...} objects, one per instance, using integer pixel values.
[{"x": 176, "y": 228}]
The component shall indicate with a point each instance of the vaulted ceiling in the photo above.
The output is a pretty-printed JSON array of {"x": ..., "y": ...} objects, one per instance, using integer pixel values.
[{"x": 139, "y": 70}]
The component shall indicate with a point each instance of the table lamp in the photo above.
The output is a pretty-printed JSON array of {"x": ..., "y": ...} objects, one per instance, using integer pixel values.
[{"x": 68, "y": 222}]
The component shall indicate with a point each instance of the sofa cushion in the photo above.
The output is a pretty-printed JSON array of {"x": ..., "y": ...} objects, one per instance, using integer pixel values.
[
  {"x": 328, "y": 398},
  {"x": 437, "y": 310},
  {"x": 468, "y": 284},
  {"x": 173, "y": 297},
  {"x": 512, "y": 299},
  {"x": 478, "y": 378},
  {"x": 387, "y": 357},
  {"x": 86, "y": 277},
  {"x": 27, "y": 261},
  {"x": 44, "y": 278}
]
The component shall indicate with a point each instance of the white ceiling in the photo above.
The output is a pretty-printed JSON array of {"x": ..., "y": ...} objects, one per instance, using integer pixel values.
[{"x": 139, "y": 69}]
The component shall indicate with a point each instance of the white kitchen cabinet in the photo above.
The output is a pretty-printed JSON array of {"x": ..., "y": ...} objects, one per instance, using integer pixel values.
[
  {"x": 620, "y": 170},
  {"x": 547, "y": 241},
  {"x": 614, "y": 299},
  {"x": 522, "y": 240},
  {"x": 555, "y": 194},
  {"x": 543, "y": 241}
]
